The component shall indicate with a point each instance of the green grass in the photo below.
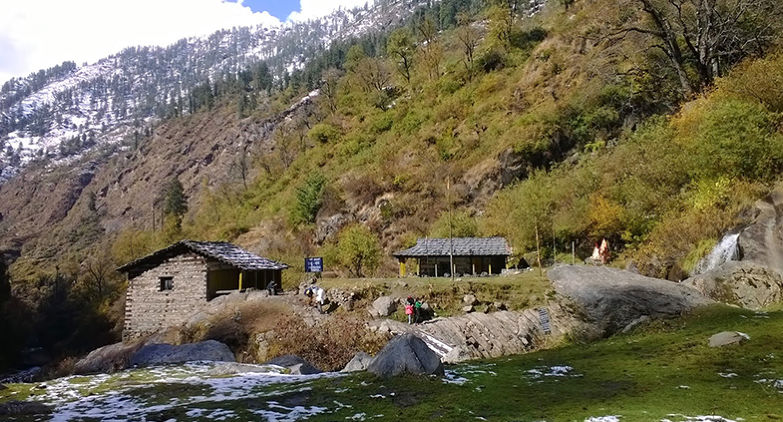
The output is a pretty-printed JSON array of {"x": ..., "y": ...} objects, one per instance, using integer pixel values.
[
  {"x": 642, "y": 376},
  {"x": 515, "y": 291},
  {"x": 661, "y": 369}
]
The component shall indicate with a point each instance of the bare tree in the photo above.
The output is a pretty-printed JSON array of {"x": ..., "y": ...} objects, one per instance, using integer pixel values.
[
  {"x": 430, "y": 49},
  {"x": 469, "y": 38},
  {"x": 97, "y": 272},
  {"x": 703, "y": 38}
]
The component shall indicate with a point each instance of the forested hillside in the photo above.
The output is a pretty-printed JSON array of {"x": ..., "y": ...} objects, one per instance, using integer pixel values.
[{"x": 651, "y": 123}]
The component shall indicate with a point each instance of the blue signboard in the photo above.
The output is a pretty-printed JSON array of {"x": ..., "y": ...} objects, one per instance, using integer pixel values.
[{"x": 314, "y": 265}]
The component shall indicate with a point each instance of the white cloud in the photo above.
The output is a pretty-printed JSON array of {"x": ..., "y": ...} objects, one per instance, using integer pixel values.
[
  {"x": 316, "y": 8},
  {"x": 41, "y": 34}
]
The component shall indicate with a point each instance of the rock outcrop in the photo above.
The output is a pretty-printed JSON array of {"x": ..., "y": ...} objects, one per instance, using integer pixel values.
[
  {"x": 106, "y": 359},
  {"x": 726, "y": 338},
  {"x": 406, "y": 354},
  {"x": 295, "y": 364},
  {"x": 740, "y": 283},
  {"x": 157, "y": 354},
  {"x": 359, "y": 362},
  {"x": 491, "y": 335},
  {"x": 607, "y": 299},
  {"x": 383, "y": 306},
  {"x": 762, "y": 241},
  {"x": 24, "y": 408}
]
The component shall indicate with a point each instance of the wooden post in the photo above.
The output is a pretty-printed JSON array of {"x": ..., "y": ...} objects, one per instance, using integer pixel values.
[
  {"x": 240, "y": 280},
  {"x": 402, "y": 268},
  {"x": 474, "y": 267},
  {"x": 490, "y": 267},
  {"x": 538, "y": 252},
  {"x": 418, "y": 267},
  {"x": 573, "y": 254}
]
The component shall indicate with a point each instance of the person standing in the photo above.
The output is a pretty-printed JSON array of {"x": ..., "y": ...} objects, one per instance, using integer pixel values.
[{"x": 417, "y": 311}]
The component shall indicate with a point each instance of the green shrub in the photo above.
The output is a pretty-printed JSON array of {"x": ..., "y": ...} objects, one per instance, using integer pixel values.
[
  {"x": 732, "y": 138},
  {"x": 324, "y": 133},
  {"x": 358, "y": 250}
]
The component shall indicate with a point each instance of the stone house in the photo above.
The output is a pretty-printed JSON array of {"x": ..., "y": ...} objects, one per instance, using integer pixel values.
[
  {"x": 471, "y": 255},
  {"x": 166, "y": 287}
]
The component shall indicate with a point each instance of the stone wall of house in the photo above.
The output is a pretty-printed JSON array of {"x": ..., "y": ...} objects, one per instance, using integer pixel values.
[{"x": 148, "y": 309}]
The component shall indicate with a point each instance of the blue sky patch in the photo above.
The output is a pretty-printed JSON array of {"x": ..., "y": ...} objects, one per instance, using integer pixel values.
[{"x": 277, "y": 8}]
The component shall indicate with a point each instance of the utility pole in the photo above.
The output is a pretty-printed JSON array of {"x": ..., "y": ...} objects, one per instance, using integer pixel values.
[{"x": 451, "y": 229}]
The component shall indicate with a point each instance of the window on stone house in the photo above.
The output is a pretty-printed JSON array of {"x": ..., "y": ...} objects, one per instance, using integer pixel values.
[{"x": 166, "y": 283}]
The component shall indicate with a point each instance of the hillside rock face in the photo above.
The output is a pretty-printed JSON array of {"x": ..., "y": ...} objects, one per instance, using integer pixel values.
[
  {"x": 406, "y": 354},
  {"x": 762, "y": 241},
  {"x": 740, "y": 283},
  {"x": 608, "y": 299}
]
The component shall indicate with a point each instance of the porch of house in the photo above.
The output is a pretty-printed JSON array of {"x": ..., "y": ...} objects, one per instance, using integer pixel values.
[
  {"x": 438, "y": 266},
  {"x": 223, "y": 280}
]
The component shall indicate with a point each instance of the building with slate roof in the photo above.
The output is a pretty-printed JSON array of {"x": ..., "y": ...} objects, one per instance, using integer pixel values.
[
  {"x": 168, "y": 286},
  {"x": 472, "y": 256}
]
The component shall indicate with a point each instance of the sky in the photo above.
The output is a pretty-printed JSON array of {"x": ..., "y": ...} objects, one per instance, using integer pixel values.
[{"x": 37, "y": 34}]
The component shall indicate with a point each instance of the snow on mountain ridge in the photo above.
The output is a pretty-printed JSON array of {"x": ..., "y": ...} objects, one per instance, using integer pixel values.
[{"x": 59, "y": 113}]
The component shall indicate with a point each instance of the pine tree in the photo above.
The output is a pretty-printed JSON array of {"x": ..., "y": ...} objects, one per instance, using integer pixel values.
[{"x": 176, "y": 203}]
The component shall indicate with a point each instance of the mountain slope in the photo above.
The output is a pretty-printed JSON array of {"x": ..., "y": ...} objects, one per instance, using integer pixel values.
[{"x": 61, "y": 112}]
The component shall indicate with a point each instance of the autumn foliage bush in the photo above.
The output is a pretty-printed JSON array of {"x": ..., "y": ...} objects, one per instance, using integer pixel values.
[{"x": 328, "y": 345}]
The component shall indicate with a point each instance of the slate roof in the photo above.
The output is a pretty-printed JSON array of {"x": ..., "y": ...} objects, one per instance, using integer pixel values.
[
  {"x": 221, "y": 251},
  {"x": 463, "y": 246}
]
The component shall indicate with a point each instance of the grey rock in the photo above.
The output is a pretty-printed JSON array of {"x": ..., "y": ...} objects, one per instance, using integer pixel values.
[
  {"x": 457, "y": 354},
  {"x": 467, "y": 309},
  {"x": 24, "y": 408},
  {"x": 327, "y": 227},
  {"x": 156, "y": 354},
  {"x": 232, "y": 368},
  {"x": 608, "y": 299},
  {"x": 359, "y": 362},
  {"x": 761, "y": 242},
  {"x": 106, "y": 359},
  {"x": 295, "y": 364},
  {"x": 726, "y": 338},
  {"x": 740, "y": 283},
  {"x": 470, "y": 299},
  {"x": 635, "y": 323},
  {"x": 406, "y": 354},
  {"x": 384, "y": 306}
]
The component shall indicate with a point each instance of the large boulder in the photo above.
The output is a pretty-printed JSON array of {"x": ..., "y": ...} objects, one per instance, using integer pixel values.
[
  {"x": 726, "y": 338},
  {"x": 740, "y": 283},
  {"x": 295, "y": 364},
  {"x": 384, "y": 306},
  {"x": 762, "y": 241},
  {"x": 406, "y": 354},
  {"x": 113, "y": 357},
  {"x": 24, "y": 408},
  {"x": 608, "y": 299},
  {"x": 360, "y": 362},
  {"x": 157, "y": 354}
]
